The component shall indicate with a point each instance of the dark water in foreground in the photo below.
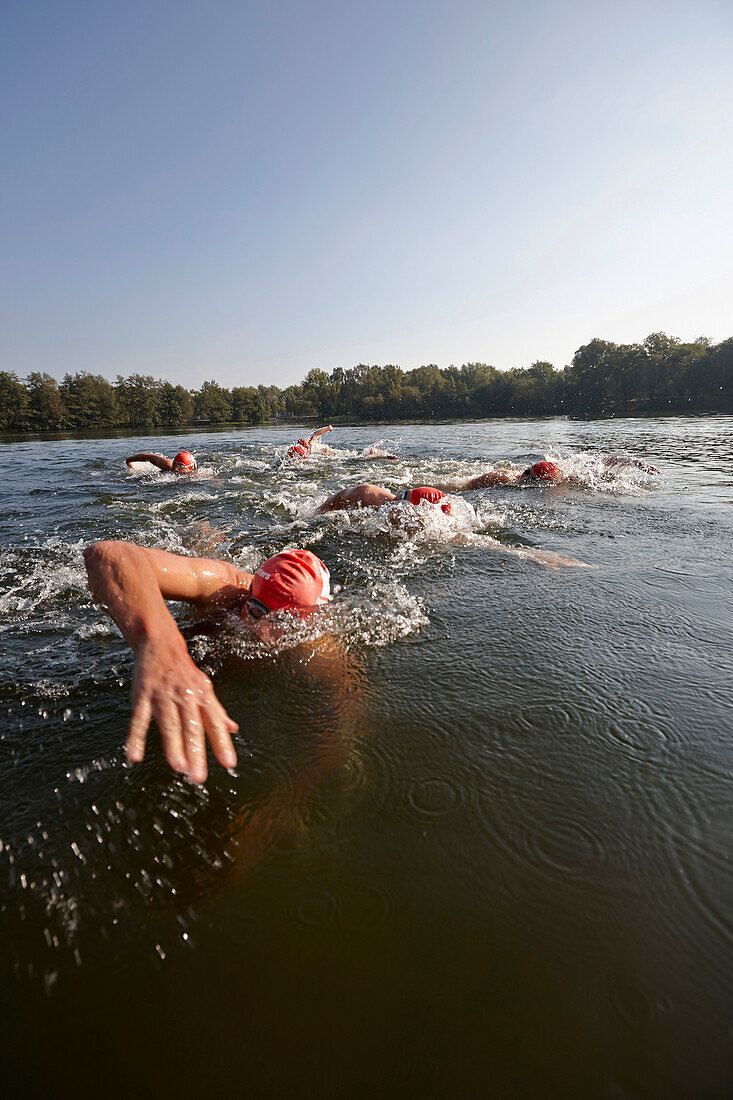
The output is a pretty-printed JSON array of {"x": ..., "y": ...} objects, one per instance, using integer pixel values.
[{"x": 487, "y": 853}]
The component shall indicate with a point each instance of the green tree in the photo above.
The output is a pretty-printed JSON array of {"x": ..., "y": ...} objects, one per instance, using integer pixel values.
[
  {"x": 248, "y": 405},
  {"x": 47, "y": 409},
  {"x": 317, "y": 392},
  {"x": 138, "y": 399},
  {"x": 213, "y": 403},
  {"x": 175, "y": 405},
  {"x": 588, "y": 381},
  {"x": 89, "y": 400},
  {"x": 14, "y": 403},
  {"x": 272, "y": 401}
]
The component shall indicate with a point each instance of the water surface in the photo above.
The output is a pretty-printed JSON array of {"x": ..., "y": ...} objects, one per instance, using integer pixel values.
[{"x": 483, "y": 850}]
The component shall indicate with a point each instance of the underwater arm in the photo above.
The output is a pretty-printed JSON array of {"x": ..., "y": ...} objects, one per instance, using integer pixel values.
[
  {"x": 527, "y": 553},
  {"x": 132, "y": 584},
  {"x": 616, "y": 460},
  {"x": 543, "y": 557}
]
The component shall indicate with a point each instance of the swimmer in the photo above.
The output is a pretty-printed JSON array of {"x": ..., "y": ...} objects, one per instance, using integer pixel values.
[
  {"x": 133, "y": 582},
  {"x": 538, "y": 471},
  {"x": 302, "y": 448},
  {"x": 374, "y": 496},
  {"x": 183, "y": 463},
  {"x": 375, "y": 451},
  {"x": 545, "y": 471}
]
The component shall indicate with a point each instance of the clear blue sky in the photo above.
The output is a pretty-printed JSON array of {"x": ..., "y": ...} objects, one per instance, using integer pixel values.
[{"x": 243, "y": 191}]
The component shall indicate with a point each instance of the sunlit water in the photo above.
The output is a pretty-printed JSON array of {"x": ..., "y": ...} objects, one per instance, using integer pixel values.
[{"x": 480, "y": 846}]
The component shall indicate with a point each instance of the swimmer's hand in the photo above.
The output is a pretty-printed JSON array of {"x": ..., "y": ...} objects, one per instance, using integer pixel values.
[
  {"x": 167, "y": 686},
  {"x": 640, "y": 463},
  {"x": 132, "y": 583},
  {"x": 646, "y": 466},
  {"x": 539, "y": 557},
  {"x": 550, "y": 560}
]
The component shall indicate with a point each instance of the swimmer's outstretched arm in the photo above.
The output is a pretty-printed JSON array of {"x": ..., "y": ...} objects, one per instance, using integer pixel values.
[
  {"x": 483, "y": 481},
  {"x": 527, "y": 553},
  {"x": 543, "y": 557},
  {"x": 617, "y": 460},
  {"x": 160, "y": 461},
  {"x": 133, "y": 583},
  {"x": 320, "y": 432}
]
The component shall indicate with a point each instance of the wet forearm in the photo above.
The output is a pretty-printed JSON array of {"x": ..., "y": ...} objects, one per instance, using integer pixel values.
[
  {"x": 123, "y": 580},
  {"x": 163, "y": 463},
  {"x": 134, "y": 581},
  {"x": 197, "y": 580}
]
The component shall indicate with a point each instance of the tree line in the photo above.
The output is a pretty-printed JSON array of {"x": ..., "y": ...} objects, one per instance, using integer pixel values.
[{"x": 659, "y": 375}]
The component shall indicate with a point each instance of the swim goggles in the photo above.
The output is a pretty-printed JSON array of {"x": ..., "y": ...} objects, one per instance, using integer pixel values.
[{"x": 255, "y": 608}]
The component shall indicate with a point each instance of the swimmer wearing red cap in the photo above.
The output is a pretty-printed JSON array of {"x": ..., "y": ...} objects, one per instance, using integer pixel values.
[
  {"x": 373, "y": 496},
  {"x": 374, "y": 451},
  {"x": 428, "y": 496},
  {"x": 538, "y": 471},
  {"x": 183, "y": 463},
  {"x": 543, "y": 472},
  {"x": 133, "y": 582},
  {"x": 302, "y": 448}
]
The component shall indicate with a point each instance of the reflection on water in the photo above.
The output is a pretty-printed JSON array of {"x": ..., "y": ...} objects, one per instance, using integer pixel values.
[{"x": 478, "y": 838}]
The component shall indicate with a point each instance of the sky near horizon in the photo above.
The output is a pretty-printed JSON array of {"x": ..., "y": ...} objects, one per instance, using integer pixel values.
[{"x": 243, "y": 191}]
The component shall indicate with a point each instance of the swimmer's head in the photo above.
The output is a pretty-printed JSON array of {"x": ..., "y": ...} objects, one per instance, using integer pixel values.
[
  {"x": 301, "y": 449},
  {"x": 543, "y": 471},
  {"x": 184, "y": 462},
  {"x": 295, "y": 581},
  {"x": 427, "y": 492}
]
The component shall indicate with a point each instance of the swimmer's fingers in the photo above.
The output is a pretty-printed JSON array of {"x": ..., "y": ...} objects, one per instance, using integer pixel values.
[
  {"x": 539, "y": 557},
  {"x": 142, "y": 712},
  {"x": 572, "y": 563},
  {"x": 555, "y": 561},
  {"x": 168, "y": 687},
  {"x": 168, "y": 719},
  {"x": 202, "y": 716},
  {"x": 219, "y": 728},
  {"x": 194, "y": 741}
]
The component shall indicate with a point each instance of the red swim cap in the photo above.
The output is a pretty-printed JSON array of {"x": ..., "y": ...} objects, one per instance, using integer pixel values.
[
  {"x": 427, "y": 492},
  {"x": 301, "y": 449},
  {"x": 288, "y": 581},
  {"x": 544, "y": 471},
  {"x": 184, "y": 460}
]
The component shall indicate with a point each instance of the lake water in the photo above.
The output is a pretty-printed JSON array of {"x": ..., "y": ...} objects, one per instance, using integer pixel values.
[{"x": 488, "y": 854}]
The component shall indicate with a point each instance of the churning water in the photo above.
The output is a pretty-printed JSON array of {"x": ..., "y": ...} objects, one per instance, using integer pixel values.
[{"x": 479, "y": 846}]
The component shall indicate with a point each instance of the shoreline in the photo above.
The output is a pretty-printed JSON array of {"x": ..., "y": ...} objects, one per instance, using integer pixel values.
[{"x": 203, "y": 427}]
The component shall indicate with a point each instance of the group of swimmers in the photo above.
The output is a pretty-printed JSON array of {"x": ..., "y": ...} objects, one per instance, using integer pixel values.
[
  {"x": 133, "y": 583},
  {"x": 185, "y": 463}
]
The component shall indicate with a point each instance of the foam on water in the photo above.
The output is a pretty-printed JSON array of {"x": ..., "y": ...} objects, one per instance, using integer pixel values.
[
  {"x": 589, "y": 471},
  {"x": 373, "y": 618},
  {"x": 41, "y": 578},
  {"x": 409, "y": 525},
  {"x": 52, "y": 573}
]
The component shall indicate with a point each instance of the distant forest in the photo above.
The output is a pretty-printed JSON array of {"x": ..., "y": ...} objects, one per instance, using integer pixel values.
[{"x": 660, "y": 375}]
